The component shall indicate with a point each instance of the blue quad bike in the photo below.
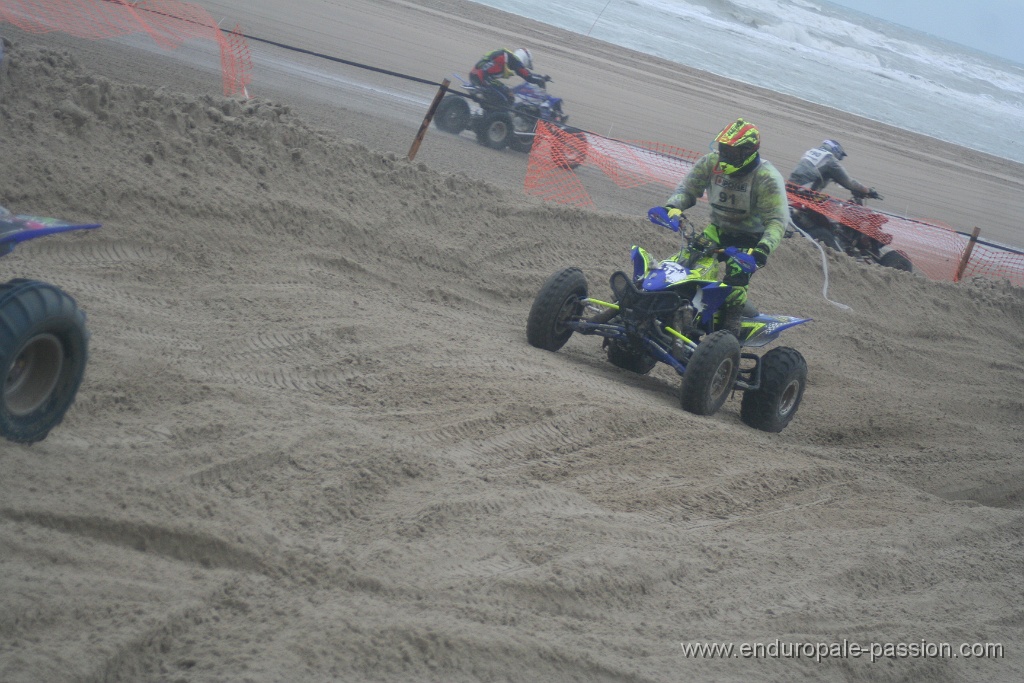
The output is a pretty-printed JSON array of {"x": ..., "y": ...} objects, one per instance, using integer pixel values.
[
  {"x": 498, "y": 125},
  {"x": 44, "y": 343},
  {"x": 666, "y": 312}
]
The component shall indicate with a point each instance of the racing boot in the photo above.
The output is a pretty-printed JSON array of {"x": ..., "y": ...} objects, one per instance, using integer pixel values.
[{"x": 731, "y": 320}]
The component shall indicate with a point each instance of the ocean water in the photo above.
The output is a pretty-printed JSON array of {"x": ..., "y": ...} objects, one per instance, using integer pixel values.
[{"x": 820, "y": 52}]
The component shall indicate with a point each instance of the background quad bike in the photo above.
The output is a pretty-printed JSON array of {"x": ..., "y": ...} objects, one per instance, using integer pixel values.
[
  {"x": 498, "y": 126},
  {"x": 44, "y": 342},
  {"x": 847, "y": 239}
]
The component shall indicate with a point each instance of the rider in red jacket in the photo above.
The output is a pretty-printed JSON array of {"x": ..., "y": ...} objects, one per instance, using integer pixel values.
[{"x": 501, "y": 64}]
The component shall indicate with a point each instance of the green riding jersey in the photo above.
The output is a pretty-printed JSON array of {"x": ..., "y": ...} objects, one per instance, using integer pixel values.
[{"x": 754, "y": 202}]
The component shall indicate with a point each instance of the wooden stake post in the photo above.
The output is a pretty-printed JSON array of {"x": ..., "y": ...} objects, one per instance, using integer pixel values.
[
  {"x": 428, "y": 118},
  {"x": 967, "y": 254}
]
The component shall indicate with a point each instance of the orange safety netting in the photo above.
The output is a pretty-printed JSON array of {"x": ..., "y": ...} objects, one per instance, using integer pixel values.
[
  {"x": 994, "y": 263},
  {"x": 936, "y": 250},
  {"x": 629, "y": 164},
  {"x": 168, "y": 22}
]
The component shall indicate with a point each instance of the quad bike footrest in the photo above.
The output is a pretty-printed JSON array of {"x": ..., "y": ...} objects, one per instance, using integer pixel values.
[{"x": 749, "y": 379}]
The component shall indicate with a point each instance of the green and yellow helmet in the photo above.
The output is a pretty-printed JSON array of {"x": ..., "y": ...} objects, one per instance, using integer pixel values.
[{"x": 737, "y": 146}]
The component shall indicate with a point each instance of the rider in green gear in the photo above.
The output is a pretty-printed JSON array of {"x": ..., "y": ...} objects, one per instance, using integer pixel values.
[{"x": 749, "y": 208}]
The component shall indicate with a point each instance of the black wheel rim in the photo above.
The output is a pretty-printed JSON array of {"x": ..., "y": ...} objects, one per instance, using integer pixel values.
[
  {"x": 720, "y": 383},
  {"x": 787, "y": 401},
  {"x": 575, "y": 156},
  {"x": 33, "y": 375},
  {"x": 568, "y": 310}
]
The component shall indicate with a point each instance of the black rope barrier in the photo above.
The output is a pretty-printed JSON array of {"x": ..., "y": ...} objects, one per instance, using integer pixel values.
[{"x": 339, "y": 60}]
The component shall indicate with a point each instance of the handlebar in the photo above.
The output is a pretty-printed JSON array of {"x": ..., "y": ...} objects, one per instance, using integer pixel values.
[
  {"x": 540, "y": 81},
  {"x": 859, "y": 197}
]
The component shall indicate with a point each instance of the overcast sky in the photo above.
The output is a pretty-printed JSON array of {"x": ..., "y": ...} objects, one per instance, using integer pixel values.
[{"x": 993, "y": 26}]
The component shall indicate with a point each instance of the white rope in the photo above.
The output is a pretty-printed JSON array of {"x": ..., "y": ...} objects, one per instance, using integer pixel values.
[{"x": 824, "y": 267}]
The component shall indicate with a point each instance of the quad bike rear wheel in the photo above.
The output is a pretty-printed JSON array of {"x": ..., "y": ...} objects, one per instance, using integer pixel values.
[
  {"x": 783, "y": 378},
  {"x": 43, "y": 353},
  {"x": 710, "y": 373},
  {"x": 894, "y": 259},
  {"x": 494, "y": 129},
  {"x": 559, "y": 300},
  {"x": 452, "y": 115}
]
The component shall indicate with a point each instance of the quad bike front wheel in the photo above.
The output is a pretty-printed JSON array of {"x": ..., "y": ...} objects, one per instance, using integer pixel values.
[
  {"x": 494, "y": 129},
  {"x": 43, "y": 353},
  {"x": 452, "y": 115},
  {"x": 559, "y": 300},
  {"x": 825, "y": 236},
  {"x": 710, "y": 373},
  {"x": 783, "y": 378},
  {"x": 524, "y": 127},
  {"x": 573, "y": 153}
]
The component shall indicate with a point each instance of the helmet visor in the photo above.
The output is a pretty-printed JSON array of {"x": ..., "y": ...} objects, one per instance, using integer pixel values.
[{"x": 732, "y": 159}]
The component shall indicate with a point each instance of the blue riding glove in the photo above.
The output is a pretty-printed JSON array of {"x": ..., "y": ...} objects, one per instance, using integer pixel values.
[
  {"x": 746, "y": 261},
  {"x": 665, "y": 216}
]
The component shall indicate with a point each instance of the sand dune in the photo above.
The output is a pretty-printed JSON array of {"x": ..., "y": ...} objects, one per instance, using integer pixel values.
[{"x": 313, "y": 443}]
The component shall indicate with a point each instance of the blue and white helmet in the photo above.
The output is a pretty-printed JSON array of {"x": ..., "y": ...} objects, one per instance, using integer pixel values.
[
  {"x": 834, "y": 147},
  {"x": 524, "y": 56}
]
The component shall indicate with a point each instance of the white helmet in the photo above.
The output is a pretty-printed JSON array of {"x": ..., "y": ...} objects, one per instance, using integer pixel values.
[{"x": 524, "y": 56}]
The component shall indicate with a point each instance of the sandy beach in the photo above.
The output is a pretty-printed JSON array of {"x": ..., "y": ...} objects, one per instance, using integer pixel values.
[{"x": 313, "y": 444}]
